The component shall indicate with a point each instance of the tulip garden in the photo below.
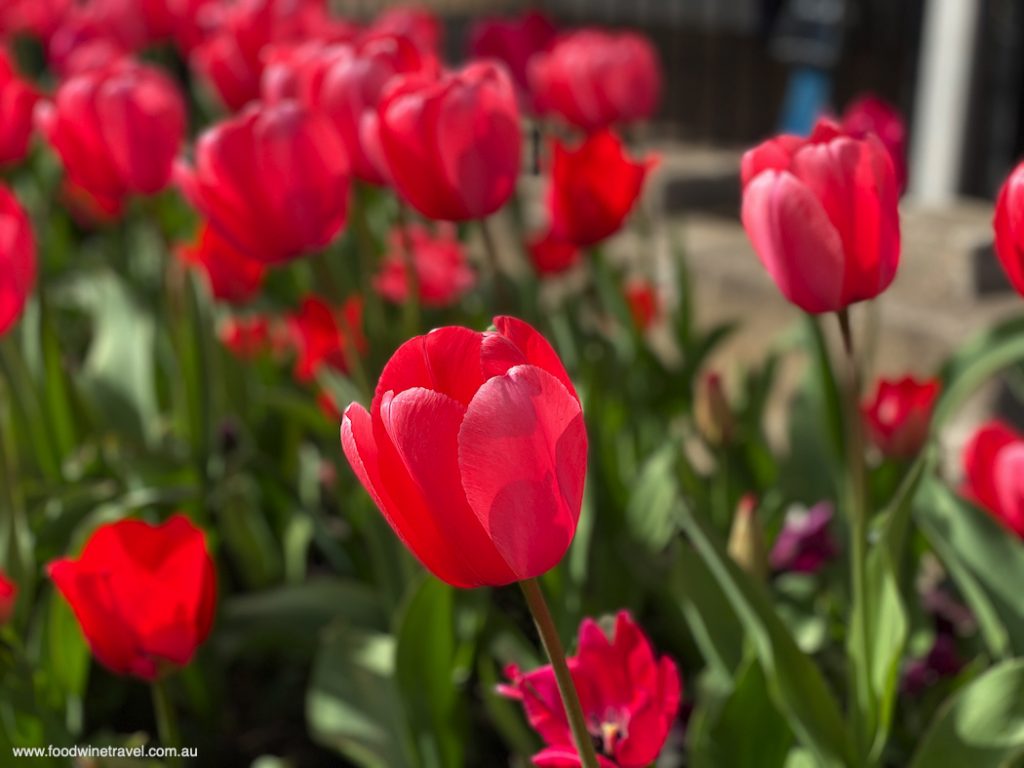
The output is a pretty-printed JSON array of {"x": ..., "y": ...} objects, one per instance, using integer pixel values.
[{"x": 327, "y": 439}]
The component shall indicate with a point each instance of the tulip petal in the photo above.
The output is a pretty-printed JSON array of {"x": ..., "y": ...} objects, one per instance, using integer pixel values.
[
  {"x": 796, "y": 242},
  {"x": 445, "y": 360},
  {"x": 980, "y": 455},
  {"x": 523, "y": 454},
  {"x": 393, "y": 493},
  {"x": 535, "y": 348},
  {"x": 424, "y": 427},
  {"x": 1009, "y": 481}
]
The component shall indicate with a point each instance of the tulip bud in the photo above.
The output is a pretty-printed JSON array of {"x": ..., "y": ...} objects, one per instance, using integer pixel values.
[
  {"x": 993, "y": 461},
  {"x": 8, "y": 596},
  {"x": 715, "y": 419},
  {"x": 746, "y": 539},
  {"x": 822, "y": 215}
]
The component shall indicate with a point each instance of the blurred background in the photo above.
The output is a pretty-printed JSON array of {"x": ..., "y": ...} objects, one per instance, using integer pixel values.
[{"x": 737, "y": 71}]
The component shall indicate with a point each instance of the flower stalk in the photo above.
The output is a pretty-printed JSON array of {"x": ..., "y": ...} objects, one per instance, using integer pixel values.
[{"x": 566, "y": 688}]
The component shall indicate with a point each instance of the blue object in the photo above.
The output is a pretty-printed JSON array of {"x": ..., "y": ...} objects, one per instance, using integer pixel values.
[{"x": 808, "y": 94}]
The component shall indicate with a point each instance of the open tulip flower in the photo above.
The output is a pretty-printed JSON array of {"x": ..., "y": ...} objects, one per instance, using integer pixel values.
[
  {"x": 144, "y": 595},
  {"x": 442, "y": 272},
  {"x": 452, "y": 144},
  {"x": 993, "y": 462},
  {"x": 17, "y": 259},
  {"x": 822, "y": 215},
  {"x": 474, "y": 449},
  {"x": 594, "y": 187},
  {"x": 630, "y": 698},
  {"x": 899, "y": 414},
  {"x": 8, "y": 595}
]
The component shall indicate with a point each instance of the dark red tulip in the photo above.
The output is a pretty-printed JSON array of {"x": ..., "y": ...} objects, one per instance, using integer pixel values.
[
  {"x": 442, "y": 272},
  {"x": 630, "y": 698},
  {"x": 233, "y": 276},
  {"x": 17, "y": 101},
  {"x": 804, "y": 545},
  {"x": 871, "y": 115},
  {"x": 474, "y": 450},
  {"x": 514, "y": 42},
  {"x": 17, "y": 259},
  {"x": 8, "y": 597},
  {"x": 942, "y": 661},
  {"x": 323, "y": 336},
  {"x": 594, "y": 187},
  {"x": 144, "y": 595},
  {"x": 551, "y": 255},
  {"x": 273, "y": 181},
  {"x": 1009, "y": 228},
  {"x": 643, "y": 302},
  {"x": 413, "y": 22},
  {"x": 452, "y": 145},
  {"x": 117, "y": 130},
  {"x": 345, "y": 82},
  {"x": 594, "y": 79},
  {"x": 994, "y": 472},
  {"x": 899, "y": 415},
  {"x": 822, "y": 215}
]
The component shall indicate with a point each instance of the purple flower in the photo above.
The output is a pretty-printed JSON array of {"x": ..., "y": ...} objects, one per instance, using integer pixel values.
[{"x": 804, "y": 544}]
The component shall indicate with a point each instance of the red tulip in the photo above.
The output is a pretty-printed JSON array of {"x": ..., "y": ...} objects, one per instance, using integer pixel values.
[
  {"x": 593, "y": 188},
  {"x": 272, "y": 180},
  {"x": 440, "y": 263},
  {"x": 231, "y": 59},
  {"x": 17, "y": 100},
  {"x": 117, "y": 129},
  {"x": 514, "y": 42},
  {"x": 822, "y": 216},
  {"x": 32, "y": 17},
  {"x": 1009, "y": 227},
  {"x": 8, "y": 597},
  {"x": 144, "y": 595},
  {"x": 345, "y": 82},
  {"x": 643, "y": 302},
  {"x": 414, "y": 22},
  {"x": 248, "y": 337},
  {"x": 870, "y": 115},
  {"x": 899, "y": 414},
  {"x": 322, "y": 336},
  {"x": 993, "y": 471},
  {"x": 630, "y": 698},
  {"x": 474, "y": 449},
  {"x": 17, "y": 259},
  {"x": 452, "y": 145},
  {"x": 233, "y": 276},
  {"x": 552, "y": 255},
  {"x": 594, "y": 79}
]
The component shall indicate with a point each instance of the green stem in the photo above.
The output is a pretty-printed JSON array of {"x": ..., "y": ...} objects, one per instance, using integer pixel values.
[
  {"x": 411, "y": 308},
  {"x": 491, "y": 251},
  {"x": 857, "y": 513},
  {"x": 166, "y": 721},
  {"x": 553, "y": 646}
]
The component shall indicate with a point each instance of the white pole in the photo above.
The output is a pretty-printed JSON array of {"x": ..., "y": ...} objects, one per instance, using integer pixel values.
[{"x": 942, "y": 99}]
